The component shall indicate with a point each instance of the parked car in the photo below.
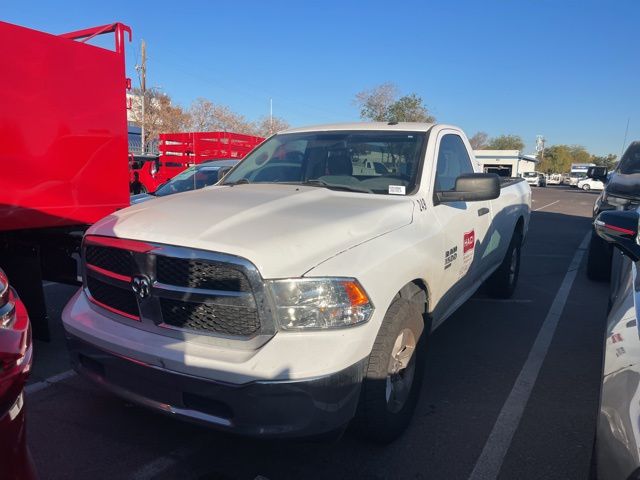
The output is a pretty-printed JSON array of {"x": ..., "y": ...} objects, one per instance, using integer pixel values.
[
  {"x": 535, "y": 179},
  {"x": 621, "y": 192},
  {"x": 618, "y": 436},
  {"x": 193, "y": 178},
  {"x": 554, "y": 179},
  {"x": 587, "y": 184},
  {"x": 16, "y": 353},
  {"x": 575, "y": 177},
  {"x": 295, "y": 285}
]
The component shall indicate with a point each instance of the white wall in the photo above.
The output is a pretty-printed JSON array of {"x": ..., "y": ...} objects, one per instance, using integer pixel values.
[{"x": 510, "y": 158}]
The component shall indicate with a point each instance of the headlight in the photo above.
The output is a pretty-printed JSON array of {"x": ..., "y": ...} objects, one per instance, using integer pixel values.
[{"x": 320, "y": 303}]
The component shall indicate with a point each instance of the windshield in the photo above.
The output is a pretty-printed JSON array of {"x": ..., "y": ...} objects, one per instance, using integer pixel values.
[
  {"x": 192, "y": 178},
  {"x": 530, "y": 174},
  {"x": 630, "y": 161},
  {"x": 380, "y": 162}
]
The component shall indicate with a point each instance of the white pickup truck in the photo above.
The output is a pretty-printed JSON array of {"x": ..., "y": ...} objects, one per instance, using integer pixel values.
[{"x": 296, "y": 296}]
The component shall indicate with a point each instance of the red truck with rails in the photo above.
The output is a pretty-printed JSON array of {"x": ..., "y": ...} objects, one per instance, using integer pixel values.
[
  {"x": 181, "y": 150},
  {"x": 63, "y": 125}
]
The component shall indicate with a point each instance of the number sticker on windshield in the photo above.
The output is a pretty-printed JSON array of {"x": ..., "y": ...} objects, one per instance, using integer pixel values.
[{"x": 397, "y": 190}]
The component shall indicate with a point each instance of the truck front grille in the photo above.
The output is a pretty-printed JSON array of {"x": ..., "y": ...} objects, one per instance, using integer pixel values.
[
  {"x": 122, "y": 300},
  {"x": 203, "y": 292},
  {"x": 190, "y": 273},
  {"x": 111, "y": 259},
  {"x": 224, "y": 319}
]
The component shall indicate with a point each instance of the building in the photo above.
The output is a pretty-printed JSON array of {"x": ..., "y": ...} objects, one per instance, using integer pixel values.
[{"x": 506, "y": 163}]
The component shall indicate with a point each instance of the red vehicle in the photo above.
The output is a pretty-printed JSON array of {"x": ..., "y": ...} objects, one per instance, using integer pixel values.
[
  {"x": 64, "y": 166},
  {"x": 64, "y": 156},
  {"x": 16, "y": 354},
  {"x": 181, "y": 150}
]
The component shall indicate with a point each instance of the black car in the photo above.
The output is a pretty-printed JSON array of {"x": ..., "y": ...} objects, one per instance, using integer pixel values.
[
  {"x": 621, "y": 192},
  {"x": 193, "y": 178}
]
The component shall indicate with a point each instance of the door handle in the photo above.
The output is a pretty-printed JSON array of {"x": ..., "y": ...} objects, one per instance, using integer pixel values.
[{"x": 483, "y": 211}]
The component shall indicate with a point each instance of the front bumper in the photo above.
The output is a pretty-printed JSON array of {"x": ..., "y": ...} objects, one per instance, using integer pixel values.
[{"x": 261, "y": 408}]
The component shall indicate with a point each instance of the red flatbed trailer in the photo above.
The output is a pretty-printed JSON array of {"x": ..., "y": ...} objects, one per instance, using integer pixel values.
[
  {"x": 63, "y": 160},
  {"x": 181, "y": 150}
]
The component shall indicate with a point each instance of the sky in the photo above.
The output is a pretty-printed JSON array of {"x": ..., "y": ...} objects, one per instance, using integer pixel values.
[{"x": 567, "y": 70}]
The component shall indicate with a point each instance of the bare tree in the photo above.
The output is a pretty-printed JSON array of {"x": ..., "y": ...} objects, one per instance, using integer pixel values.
[
  {"x": 265, "y": 127},
  {"x": 207, "y": 116},
  {"x": 161, "y": 115},
  {"x": 374, "y": 104},
  {"x": 203, "y": 115},
  {"x": 382, "y": 104},
  {"x": 479, "y": 141}
]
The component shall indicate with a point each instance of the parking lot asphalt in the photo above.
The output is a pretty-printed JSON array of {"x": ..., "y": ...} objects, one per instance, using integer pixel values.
[{"x": 510, "y": 391}]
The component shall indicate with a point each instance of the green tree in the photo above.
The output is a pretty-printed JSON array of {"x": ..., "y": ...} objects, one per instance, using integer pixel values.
[
  {"x": 557, "y": 159},
  {"x": 409, "y": 108},
  {"x": 608, "y": 161},
  {"x": 579, "y": 154},
  {"x": 506, "y": 142},
  {"x": 383, "y": 104}
]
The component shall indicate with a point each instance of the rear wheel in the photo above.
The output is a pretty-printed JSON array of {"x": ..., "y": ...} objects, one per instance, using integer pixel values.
[
  {"x": 586, "y": 187},
  {"x": 393, "y": 376},
  {"x": 502, "y": 283},
  {"x": 599, "y": 259}
]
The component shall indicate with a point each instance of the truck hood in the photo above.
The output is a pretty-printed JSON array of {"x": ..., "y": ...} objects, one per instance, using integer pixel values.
[{"x": 285, "y": 230}]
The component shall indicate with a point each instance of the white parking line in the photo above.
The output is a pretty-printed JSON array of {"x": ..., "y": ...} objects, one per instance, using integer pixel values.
[
  {"x": 47, "y": 382},
  {"x": 545, "y": 206},
  {"x": 161, "y": 464},
  {"x": 490, "y": 462}
]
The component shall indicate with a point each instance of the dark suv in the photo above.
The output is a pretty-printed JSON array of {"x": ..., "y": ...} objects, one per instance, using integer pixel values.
[{"x": 621, "y": 192}]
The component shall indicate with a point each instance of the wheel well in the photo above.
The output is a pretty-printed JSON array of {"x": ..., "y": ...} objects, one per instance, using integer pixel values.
[{"x": 416, "y": 291}]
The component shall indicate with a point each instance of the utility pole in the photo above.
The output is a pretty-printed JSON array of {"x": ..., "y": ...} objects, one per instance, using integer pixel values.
[
  {"x": 271, "y": 116},
  {"x": 540, "y": 146},
  {"x": 142, "y": 74}
]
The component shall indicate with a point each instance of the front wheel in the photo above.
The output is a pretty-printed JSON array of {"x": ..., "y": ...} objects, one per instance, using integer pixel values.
[
  {"x": 502, "y": 283},
  {"x": 586, "y": 187},
  {"x": 393, "y": 375}
]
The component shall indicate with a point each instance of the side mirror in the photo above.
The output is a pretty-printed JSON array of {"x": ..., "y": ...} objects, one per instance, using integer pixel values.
[
  {"x": 222, "y": 171},
  {"x": 472, "y": 187},
  {"x": 598, "y": 173},
  {"x": 620, "y": 228}
]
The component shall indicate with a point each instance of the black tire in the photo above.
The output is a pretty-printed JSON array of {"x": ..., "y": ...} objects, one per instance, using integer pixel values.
[
  {"x": 599, "y": 259},
  {"x": 502, "y": 283},
  {"x": 378, "y": 419}
]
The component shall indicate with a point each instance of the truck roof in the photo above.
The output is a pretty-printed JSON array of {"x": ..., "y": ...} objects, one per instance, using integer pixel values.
[{"x": 400, "y": 126}]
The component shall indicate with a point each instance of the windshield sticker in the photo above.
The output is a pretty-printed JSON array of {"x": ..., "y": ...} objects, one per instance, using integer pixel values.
[
  {"x": 468, "y": 250},
  {"x": 397, "y": 190},
  {"x": 450, "y": 257}
]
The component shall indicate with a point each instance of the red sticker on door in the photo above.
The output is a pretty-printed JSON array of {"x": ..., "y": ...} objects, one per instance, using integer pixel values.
[{"x": 469, "y": 241}]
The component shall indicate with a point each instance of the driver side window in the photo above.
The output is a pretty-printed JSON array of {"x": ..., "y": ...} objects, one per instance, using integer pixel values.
[{"x": 453, "y": 161}]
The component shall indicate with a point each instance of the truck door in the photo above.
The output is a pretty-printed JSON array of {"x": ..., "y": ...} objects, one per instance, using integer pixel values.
[{"x": 464, "y": 224}]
